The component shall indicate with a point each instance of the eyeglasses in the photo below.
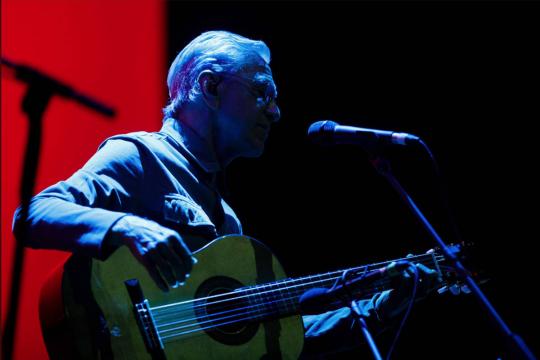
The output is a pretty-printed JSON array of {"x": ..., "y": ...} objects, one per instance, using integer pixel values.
[{"x": 267, "y": 95}]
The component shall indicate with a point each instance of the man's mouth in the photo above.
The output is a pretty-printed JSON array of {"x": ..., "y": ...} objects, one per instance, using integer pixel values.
[{"x": 263, "y": 126}]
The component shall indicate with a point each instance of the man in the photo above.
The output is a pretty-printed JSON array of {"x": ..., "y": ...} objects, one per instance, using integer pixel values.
[{"x": 156, "y": 193}]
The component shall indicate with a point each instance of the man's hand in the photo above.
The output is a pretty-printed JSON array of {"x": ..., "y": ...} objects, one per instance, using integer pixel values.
[
  {"x": 159, "y": 249},
  {"x": 397, "y": 299}
]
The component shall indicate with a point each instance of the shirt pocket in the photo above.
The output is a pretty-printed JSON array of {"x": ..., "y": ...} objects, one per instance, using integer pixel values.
[{"x": 186, "y": 214}]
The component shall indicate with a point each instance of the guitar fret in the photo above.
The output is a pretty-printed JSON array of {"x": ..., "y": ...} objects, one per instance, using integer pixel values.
[
  {"x": 261, "y": 301},
  {"x": 284, "y": 298},
  {"x": 252, "y": 300}
]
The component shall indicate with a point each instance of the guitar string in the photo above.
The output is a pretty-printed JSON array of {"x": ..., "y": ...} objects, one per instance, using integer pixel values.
[
  {"x": 201, "y": 301},
  {"x": 376, "y": 265},
  {"x": 247, "y": 295},
  {"x": 194, "y": 331},
  {"x": 299, "y": 287},
  {"x": 186, "y": 308},
  {"x": 214, "y": 324},
  {"x": 200, "y": 330},
  {"x": 371, "y": 291},
  {"x": 283, "y": 305},
  {"x": 168, "y": 338},
  {"x": 164, "y": 310},
  {"x": 239, "y": 312}
]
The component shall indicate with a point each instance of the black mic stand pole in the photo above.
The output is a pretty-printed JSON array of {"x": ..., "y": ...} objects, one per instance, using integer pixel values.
[
  {"x": 34, "y": 103},
  {"x": 360, "y": 318},
  {"x": 517, "y": 347},
  {"x": 365, "y": 330},
  {"x": 40, "y": 90}
]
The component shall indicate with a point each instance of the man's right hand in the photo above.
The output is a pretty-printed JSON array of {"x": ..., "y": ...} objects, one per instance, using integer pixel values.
[{"x": 159, "y": 249}]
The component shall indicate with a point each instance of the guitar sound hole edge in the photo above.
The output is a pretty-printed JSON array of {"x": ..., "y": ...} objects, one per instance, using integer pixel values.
[{"x": 236, "y": 332}]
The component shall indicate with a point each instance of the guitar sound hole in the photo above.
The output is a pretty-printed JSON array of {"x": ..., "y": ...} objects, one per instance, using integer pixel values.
[{"x": 222, "y": 313}]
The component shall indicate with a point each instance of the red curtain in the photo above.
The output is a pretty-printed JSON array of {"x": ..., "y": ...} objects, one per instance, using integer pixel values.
[{"x": 111, "y": 50}]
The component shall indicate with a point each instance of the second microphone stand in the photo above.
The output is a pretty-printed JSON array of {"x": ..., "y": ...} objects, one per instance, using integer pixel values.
[
  {"x": 365, "y": 330},
  {"x": 517, "y": 347}
]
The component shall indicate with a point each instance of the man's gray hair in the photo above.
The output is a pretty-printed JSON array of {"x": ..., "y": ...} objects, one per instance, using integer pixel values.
[{"x": 219, "y": 51}]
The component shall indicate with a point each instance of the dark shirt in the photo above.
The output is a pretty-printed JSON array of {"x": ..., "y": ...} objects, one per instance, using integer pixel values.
[{"x": 149, "y": 174}]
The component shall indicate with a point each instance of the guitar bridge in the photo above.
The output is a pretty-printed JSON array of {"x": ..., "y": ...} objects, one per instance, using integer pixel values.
[{"x": 145, "y": 320}]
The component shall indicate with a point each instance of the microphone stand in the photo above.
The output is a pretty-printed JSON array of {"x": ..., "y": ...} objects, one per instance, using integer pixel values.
[
  {"x": 365, "y": 330},
  {"x": 358, "y": 314},
  {"x": 517, "y": 347},
  {"x": 41, "y": 88}
]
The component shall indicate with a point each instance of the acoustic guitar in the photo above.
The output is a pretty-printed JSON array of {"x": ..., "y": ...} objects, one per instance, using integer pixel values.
[{"x": 237, "y": 304}]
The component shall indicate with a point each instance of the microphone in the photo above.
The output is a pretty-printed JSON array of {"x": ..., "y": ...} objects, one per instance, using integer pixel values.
[
  {"x": 318, "y": 300},
  {"x": 328, "y": 132}
]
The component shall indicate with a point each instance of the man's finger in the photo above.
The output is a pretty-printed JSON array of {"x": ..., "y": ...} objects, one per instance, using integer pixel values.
[
  {"x": 154, "y": 274},
  {"x": 174, "y": 260},
  {"x": 163, "y": 266},
  {"x": 423, "y": 269},
  {"x": 431, "y": 277},
  {"x": 183, "y": 252},
  {"x": 428, "y": 279}
]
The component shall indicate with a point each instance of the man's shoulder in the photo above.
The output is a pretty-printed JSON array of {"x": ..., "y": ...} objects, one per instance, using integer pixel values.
[
  {"x": 153, "y": 141},
  {"x": 139, "y": 136},
  {"x": 130, "y": 150},
  {"x": 144, "y": 144}
]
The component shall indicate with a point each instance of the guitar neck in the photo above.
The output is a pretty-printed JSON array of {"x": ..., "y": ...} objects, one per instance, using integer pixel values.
[{"x": 281, "y": 298}]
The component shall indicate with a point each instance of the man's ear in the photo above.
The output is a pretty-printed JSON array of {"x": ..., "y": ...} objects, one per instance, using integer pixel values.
[{"x": 208, "y": 84}]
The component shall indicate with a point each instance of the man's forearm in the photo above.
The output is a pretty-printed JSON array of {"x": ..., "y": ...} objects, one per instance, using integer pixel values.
[{"x": 54, "y": 223}]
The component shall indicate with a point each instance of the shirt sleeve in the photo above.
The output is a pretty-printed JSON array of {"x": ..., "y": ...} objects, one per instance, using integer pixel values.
[
  {"x": 337, "y": 331},
  {"x": 76, "y": 214}
]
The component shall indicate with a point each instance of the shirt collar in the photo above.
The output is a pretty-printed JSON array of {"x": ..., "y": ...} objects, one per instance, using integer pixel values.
[{"x": 193, "y": 145}]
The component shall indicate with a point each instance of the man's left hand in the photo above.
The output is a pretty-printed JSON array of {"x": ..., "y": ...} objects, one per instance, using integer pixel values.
[{"x": 396, "y": 300}]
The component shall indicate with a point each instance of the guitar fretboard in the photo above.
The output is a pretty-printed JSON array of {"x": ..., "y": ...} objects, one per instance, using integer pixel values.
[{"x": 281, "y": 298}]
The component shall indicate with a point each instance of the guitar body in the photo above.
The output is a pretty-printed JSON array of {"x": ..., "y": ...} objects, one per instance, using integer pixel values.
[{"x": 95, "y": 301}]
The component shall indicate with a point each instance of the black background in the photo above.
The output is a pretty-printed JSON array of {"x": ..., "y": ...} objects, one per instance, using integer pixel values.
[{"x": 464, "y": 77}]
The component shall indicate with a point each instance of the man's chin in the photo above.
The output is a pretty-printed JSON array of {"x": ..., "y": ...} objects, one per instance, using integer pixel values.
[{"x": 255, "y": 151}]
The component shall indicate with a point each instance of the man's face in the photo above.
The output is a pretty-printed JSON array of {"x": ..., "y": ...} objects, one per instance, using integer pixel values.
[{"x": 247, "y": 110}]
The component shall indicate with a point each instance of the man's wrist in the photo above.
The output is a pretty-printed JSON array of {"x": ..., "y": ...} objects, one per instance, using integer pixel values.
[{"x": 113, "y": 238}]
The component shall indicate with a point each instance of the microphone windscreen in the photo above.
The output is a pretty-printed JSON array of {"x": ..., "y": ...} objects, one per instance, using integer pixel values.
[{"x": 321, "y": 132}]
